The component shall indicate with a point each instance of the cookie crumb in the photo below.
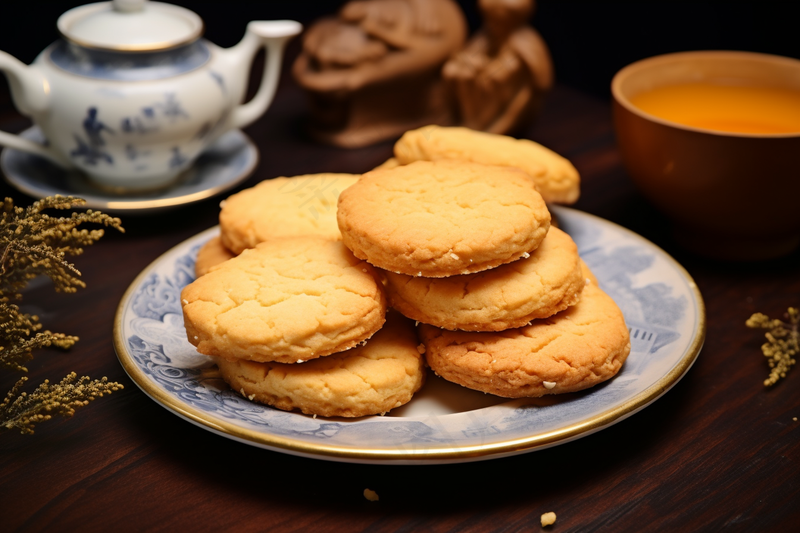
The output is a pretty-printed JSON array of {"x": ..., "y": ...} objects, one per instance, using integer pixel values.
[
  {"x": 371, "y": 495},
  {"x": 419, "y": 274},
  {"x": 300, "y": 361},
  {"x": 549, "y": 384},
  {"x": 185, "y": 301},
  {"x": 794, "y": 418},
  {"x": 526, "y": 255},
  {"x": 421, "y": 350},
  {"x": 251, "y": 397},
  {"x": 548, "y": 519},
  {"x": 315, "y": 416},
  {"x": 222, "y": 203}
]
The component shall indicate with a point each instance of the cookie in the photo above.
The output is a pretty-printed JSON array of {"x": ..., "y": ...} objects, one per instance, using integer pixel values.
[
  {"x": 442, "y": 218},
  {"x": 556, "y": 178},
  {"x": 282, "y": 207},
  {"x": 371, "y": 379},
  {"x": 210, "y": 255},
  {"x": 580, "y": 347},
  {"x": 392, "y": 162},
  {"x": 285, "y": 300},
  {"x": 549, "y": 280}
]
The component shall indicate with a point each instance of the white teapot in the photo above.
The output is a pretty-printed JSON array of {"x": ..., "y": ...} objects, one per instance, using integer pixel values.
[{"x": 132, "y": 94}]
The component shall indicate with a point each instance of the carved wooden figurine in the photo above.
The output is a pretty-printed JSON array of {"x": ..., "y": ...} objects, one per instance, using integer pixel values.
[
  {"x": 374, "y": 71},
  {"x": 498, "y": 81}
]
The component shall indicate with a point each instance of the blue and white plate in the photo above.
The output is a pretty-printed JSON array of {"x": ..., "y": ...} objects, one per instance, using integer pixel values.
[
  {"x": 443, "y": 423},
  {"x": 226, "y": 163}
]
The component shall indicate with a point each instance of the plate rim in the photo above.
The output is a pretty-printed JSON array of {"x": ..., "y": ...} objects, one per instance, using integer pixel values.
[
  {"x": 144, "y": 206},
  {"x": 431, "y": 455}
]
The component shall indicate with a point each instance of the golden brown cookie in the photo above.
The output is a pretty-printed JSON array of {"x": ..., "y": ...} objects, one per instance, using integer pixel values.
[
  {"x": 573, "y": 350},
  {"x": 549, "y": 280},
  {"x": 392, "y": 162},
  {"x": 283, "y": 207},
  {"x": 285, "y": 300},
  {"x": 436, "y": 219},
  {"x": 210, "y": 255},
  {"x": 556, "y": 178},
  {"x": 371, "y": 379}
]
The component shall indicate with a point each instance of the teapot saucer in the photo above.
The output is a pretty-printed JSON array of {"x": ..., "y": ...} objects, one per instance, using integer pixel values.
[{"x": 226, "y": 163}]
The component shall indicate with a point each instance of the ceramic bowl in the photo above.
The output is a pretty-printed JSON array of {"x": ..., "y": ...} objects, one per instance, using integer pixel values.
[{"x": 729, "y": 195}]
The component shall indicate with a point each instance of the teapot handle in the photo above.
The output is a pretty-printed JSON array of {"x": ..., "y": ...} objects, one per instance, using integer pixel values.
[{"x": 272, "y": 35}]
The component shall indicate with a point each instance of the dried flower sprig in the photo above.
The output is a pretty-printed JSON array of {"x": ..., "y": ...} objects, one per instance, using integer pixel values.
[
  {"x": 783, "y": 342},
  {"x": 33, "y": 243},
  {"x": 20, "y": 334},
  {"x": 23, "y": 411}
]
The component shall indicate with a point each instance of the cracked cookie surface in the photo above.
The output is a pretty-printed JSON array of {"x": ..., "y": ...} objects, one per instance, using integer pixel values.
[
  {"x": 366, "y": 380},
  {"x": 549, "y": 280},
  {"x": 443, "y": 218},
  {"x": 283, "y": 207},
  {"x": 556, "y": 178},
  {"x": 580, "y": 347},
  {"x": 285, "y": 300}
]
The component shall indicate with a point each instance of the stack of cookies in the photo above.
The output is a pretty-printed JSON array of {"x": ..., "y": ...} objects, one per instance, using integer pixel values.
[
  {"x": 454, "y": 233},
  {"x": 503, "y": 302},
  {"x": 292, "y": 318}
]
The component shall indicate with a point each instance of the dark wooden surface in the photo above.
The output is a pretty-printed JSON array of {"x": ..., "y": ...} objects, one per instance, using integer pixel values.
[{"x": 717, "y": 453}]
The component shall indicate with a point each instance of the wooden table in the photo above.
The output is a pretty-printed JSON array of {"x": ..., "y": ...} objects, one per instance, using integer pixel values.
[{"x": 717, "y": 452}]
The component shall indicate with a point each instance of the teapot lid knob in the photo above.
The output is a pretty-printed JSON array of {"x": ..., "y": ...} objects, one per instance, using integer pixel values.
[{"x": 128, "y": 6}]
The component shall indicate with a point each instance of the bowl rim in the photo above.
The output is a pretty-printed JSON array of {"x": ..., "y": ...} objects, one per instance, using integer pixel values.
[{"x": 653, "y": 61}]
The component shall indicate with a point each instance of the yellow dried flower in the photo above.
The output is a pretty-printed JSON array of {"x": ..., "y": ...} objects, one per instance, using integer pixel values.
[
  {"x": 33, "y": 243},
  {"x": 23, "y": 411},
  {"x": 783, "y": 342},
  {"x": 20, "y": 335}
]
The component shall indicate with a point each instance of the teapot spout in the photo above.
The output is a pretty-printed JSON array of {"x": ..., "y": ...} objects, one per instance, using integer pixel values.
[{"x": 271, "y": 35}]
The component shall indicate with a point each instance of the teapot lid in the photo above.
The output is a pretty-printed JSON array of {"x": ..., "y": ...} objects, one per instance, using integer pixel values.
[{"x": 130, "y": 26}]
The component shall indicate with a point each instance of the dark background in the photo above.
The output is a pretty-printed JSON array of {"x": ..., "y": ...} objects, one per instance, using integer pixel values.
[{"x": 589, "y": 39}]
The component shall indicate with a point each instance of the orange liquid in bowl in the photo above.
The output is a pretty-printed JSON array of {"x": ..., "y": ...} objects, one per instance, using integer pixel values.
[{"x": 723, "y": 107}]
